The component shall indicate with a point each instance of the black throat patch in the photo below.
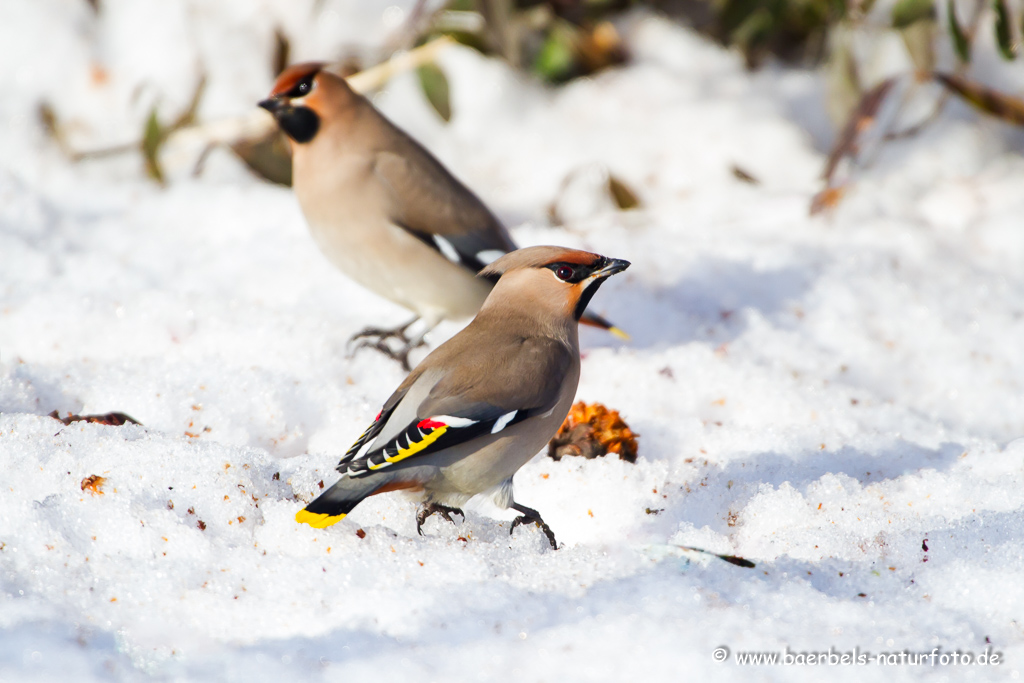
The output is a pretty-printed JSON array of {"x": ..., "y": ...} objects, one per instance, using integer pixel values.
[
  {"x": 299, "y": 123},
  {"x": 585, "y": 297}
]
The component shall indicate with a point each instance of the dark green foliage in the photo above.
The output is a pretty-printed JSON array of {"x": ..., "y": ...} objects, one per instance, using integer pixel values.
[
  {"x": 907, "y": 12},
  {"x": 792, "y": 29},
  {"x": 555, "y": 61},
  {"x": 435, "y": 86},
  {"x": 152, "y": 139},
  {"x": 960, "y": 42},
  {"x": 1004, "y": 36}
]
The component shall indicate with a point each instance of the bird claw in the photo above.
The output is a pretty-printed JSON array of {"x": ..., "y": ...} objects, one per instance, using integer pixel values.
[
  {"x": 376, "y": 338},
  {"x": 541, "y": 524},
  {"x": 401, "y": 355},
  {"x": 427, "y": 510}
]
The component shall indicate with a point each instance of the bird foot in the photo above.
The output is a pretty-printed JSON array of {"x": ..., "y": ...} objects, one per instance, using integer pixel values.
[
  {"x": 377, "y": 338},
  {"x": 541, "y": 524},
  {"x": 428, "y": 509}
]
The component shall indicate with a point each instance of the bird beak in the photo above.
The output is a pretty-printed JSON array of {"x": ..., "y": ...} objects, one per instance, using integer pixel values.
[
  {"x": 615, "y": 265},
  {"x": 273, "y": 104},
  {"x": 589, "y": 287}
]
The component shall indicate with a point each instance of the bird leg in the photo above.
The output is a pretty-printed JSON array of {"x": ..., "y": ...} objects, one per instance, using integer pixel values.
[
  {"x": 428, "y": 509},
  {"x": 376, "y": 338},
  {"x": 528, "y": 516}
]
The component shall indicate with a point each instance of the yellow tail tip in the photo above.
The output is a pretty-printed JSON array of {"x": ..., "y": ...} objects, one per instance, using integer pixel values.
[
  {"x": 620, "y": 333},
  {"x": 317, "y": 520}
]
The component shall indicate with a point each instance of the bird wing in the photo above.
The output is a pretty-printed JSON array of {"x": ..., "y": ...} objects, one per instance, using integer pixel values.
[
  {"x": 525, "y": 381},
  {"x": 426, "y": 200}
]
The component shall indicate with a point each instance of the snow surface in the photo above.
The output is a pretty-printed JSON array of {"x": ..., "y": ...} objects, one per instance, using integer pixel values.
[{"x": 824, "y": 396}]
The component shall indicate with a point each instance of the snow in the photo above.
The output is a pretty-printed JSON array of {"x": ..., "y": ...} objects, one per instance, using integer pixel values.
[{"x": 826, "y": 397}]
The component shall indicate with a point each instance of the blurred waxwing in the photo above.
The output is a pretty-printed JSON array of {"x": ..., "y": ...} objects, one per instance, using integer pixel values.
[
  {"x": 383, "y": 209},
  {"x": 483, "y": 403}
]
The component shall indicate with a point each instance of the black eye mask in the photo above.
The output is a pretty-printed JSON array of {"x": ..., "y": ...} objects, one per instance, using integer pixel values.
[{"x": 575, "y": 272}]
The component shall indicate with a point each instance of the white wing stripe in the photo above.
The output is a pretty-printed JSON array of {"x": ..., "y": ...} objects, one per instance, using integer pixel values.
[
  {"x": 449, "y": 251},
  {"x": 503, "y": 421},
  {"x": 455, "y": 422},
  {"x": 489, "y": 256}
]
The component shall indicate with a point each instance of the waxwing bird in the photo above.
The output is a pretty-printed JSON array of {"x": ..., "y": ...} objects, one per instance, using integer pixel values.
[
  {"x": 383, "y": 209},
  {"x": 483, "y": 403}
]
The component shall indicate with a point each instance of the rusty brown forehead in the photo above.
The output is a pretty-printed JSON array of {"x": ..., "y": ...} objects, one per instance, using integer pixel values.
[
  {"x": 291, "y": 76},
  {"x": 576, "y": 257}
]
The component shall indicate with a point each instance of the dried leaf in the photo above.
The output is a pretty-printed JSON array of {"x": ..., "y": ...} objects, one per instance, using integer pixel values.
[
  {"x": 592, "y": 431},
  {"x": 268, "y": 157},
  {"x": 826, "y": 199},
  {"x": 998, "y": 104},
  {"x": 731, "y": 559},
  {"x": 741, "y": 174},
  {"x": 960, "y": 40},
  {"x": 919, "y": 39},
  {"x": 1004, "y": 36},
  {"x": 48, "y": 119},
  {"x": 94, "y": 484},
  {"x": 861, "y": 119},
  {"x": 600, "y": 48},
  {"x": 907, "y": 12},
  {"x": 624, "y": 197},
  {"x": 113, "y": 419},
  {"x": 152, "y": 138},
  {"x": 844, "y": 86},
  {"x": 282, "y": 51},
  {"x": 502, "y": 26},
  {"x": 435, "y": 87}
]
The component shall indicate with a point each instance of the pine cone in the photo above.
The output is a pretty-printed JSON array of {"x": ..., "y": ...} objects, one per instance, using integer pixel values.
[{"x": 592, "y": 431}]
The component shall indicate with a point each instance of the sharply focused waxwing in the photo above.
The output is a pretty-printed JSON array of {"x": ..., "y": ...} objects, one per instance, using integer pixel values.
[
  {"x": 484, "y": 402},
  {"x": 383, "y": 209}
]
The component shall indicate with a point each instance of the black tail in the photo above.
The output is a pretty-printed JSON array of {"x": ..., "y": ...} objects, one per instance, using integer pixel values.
[{"x": 332, "y": 505}]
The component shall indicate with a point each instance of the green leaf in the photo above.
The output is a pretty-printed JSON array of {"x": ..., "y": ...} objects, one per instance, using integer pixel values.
[
  {"x": 1004, "y": 36},
  {"x": 960, "y": 41},
  {"x": 555, "y": 60},
  {"x": 755, "y": 29},
  {"x": 435, "y": 88},
  {"x": 152, "y": 138},
  {"x": 907, "y": 12}
]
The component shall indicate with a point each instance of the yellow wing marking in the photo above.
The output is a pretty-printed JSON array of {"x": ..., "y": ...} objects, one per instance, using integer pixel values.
[
  {"x": 317, "y": 520},
  {"x": 413, "y": 448}
]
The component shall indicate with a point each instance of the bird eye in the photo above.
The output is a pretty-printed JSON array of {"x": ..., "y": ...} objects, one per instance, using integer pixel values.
[
  {"x": 564, "y": 273},
  {"x": 302, "y": 88}
]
